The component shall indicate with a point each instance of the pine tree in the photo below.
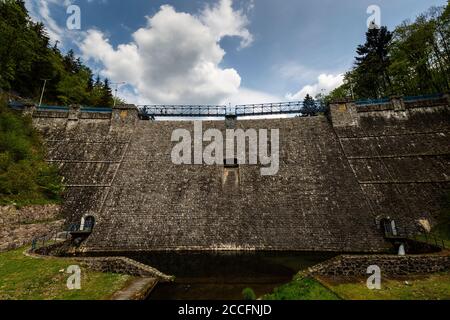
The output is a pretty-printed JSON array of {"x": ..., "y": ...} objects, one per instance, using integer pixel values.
[
  {"x": 107, "y": 99},
  {"x": 309, "y": 106},
  {"x": 373, "y": 63}
]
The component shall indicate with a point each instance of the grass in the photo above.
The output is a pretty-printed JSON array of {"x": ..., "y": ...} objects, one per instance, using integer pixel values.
[
  {"x": 442, "y": 238},
  {"x": 26, "y": 278},
  {"x": 432, "y": 287},
  {"x": 302, "y": 288}
]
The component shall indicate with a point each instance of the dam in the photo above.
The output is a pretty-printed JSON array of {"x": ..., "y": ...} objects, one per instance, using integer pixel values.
[{"x": 339, "y": 178}]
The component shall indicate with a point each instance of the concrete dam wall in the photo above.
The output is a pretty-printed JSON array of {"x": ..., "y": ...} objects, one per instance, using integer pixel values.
[{"x": 337, "y": 179}]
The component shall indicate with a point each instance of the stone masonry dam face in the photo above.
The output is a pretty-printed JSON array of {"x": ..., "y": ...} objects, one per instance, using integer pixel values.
[{"x": 338, "y": 178}]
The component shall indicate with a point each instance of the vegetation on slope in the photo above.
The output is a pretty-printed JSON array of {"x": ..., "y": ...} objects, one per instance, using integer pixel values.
[
  {"x": 25, "y": 178},
  {"x": 26, "y": 57},
  {"x": 25, "y": 278}
]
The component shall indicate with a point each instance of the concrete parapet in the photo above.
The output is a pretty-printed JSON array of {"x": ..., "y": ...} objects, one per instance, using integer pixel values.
[
  {"x": 29, "y": 109},
  {"x": 447, "y": 96},
  {"x": 74, "y": 112},
  {"x": 398, "y": 103},
  {"x": 124, "y": 115},
  {"x": 343, "y": 113}
]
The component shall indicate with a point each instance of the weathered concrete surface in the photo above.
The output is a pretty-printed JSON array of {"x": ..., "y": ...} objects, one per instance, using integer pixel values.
[
  {"x": 335, "y": 181},
  {"x": 138, "y": 289},
  {"x": 401, "y": 158}
]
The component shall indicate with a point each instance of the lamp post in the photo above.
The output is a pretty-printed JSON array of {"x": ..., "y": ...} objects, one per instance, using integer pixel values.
[
  {"x": 350, "y": 83},
  {"x": 43, "y": 90},
  {"x": 117, "y": 84}
]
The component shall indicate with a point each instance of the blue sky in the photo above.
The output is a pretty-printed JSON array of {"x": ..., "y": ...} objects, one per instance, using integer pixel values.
[{"x": 220, "y": 51}]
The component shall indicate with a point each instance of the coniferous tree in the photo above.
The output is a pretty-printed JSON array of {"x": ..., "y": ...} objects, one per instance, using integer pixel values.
[
  {"x": 373, "y": 62},
  {"x": 107, "y": 99},
  {"x": 27, "y": 57},
  {"x": 309, "y": 106}
]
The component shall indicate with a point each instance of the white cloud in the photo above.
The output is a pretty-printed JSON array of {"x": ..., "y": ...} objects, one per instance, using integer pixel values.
[
  {"x": 223, "y": 21},
  {"x": 325, "y": 84},
  {"x": 176, "y": 57},
  {"x": 249, "y": 96}
]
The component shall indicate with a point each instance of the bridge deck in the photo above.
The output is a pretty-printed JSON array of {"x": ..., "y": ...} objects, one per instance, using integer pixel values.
[{"x": 151, "y": 111}]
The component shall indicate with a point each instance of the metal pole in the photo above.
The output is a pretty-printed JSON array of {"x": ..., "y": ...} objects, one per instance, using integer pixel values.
[
  {"x": 115, "y": 96},
  {"x": 117, "y": 88},
  {"x": 43, "y": 90}
]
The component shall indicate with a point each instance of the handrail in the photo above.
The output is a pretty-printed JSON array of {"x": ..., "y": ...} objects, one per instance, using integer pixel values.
[
  {"x": 56, "y": 108},
  {"x": 368, "y": 102},
  {"x": 423, "y": 97},
  {"x": 41, "y": 242},
  {"x": 54, "y": 236},
  {"x": 406, "y": 233},
  {"x": 96, "y": 109},
  {"x": 183, "y": 110}
]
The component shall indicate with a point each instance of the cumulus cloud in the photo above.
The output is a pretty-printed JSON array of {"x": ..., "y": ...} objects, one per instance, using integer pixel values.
[
  {"x": 223, "y": 21},
  {"x": 176, "y": 57},
  {"x": 325, "y": 84}
]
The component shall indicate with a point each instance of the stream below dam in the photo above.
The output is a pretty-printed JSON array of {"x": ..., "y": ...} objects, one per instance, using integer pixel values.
[{"x": 224, "y": 275}]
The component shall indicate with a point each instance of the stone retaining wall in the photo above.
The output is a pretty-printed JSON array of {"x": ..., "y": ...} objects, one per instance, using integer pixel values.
[
  {"x": 120, "y": 265},
  {"x": 390, "y": 265},
  {"x": 10, "y": 215},
  {"x": 123, "y": 265},
  {"x": 18, "y": 227}
]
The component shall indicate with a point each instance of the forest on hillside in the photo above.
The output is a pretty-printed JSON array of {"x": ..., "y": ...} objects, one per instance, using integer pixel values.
[
  {"x": 27, "y": 58},
  {"x": 413, "y": 59}
]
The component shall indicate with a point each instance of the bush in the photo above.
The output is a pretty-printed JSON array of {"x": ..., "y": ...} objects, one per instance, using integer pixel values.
[
  {"x": 248, "y": 294},
  {"x": 25, "y": 177},
  {"x": 302, "y": 288}
]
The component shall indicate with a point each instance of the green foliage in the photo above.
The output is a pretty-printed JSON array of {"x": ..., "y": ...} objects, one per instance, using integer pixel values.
[
  {"x": 414, "y": 59},
  {"x": 248, "y": 294},
  {"x": 25, "y": 178},
  {"x": 302, "y": 288},
  {"x": 26, "y": 58}
]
